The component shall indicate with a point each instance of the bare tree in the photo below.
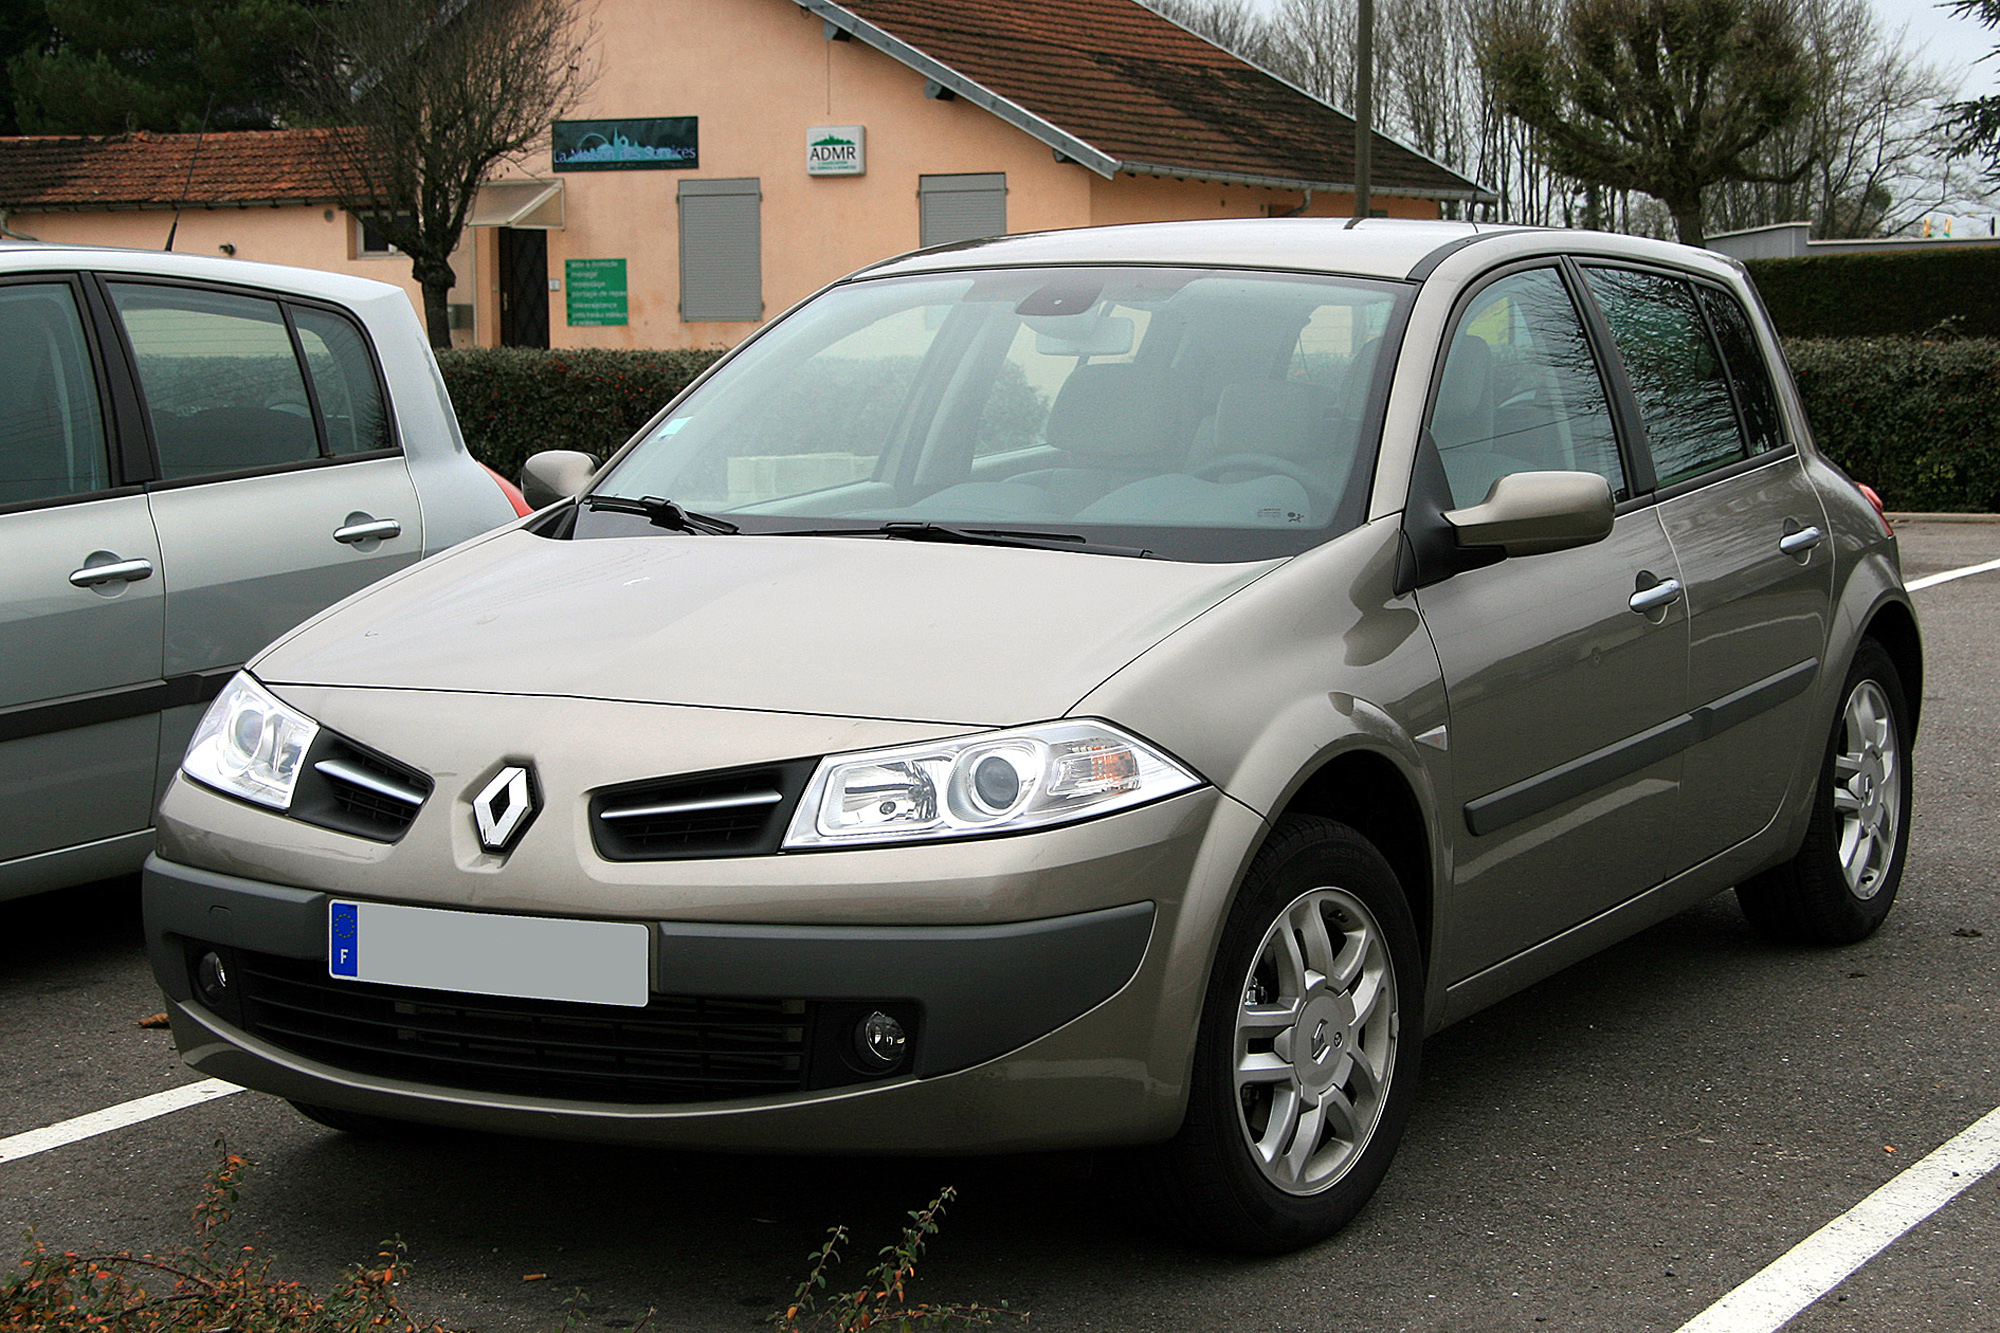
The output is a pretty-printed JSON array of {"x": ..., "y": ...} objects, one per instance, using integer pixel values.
[
  {"x": 435, "y": 95},
  {"x": 1871, "y": 134},
  {"x": 1667, "y": 97}
]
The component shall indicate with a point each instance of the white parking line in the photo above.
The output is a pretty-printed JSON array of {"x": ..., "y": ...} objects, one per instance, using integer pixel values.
[
  {"x": 1931, "y": 580},
  {"x": 1823, "y": 1260},
  {"x": 113, "y": 1117}
]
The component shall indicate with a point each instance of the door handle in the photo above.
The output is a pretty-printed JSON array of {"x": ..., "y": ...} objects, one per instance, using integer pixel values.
[
  {"x": 375, "y": 529},
  {"x": 1663, "y": 593},
  {"x": 116, "y": 571},
  {"x": 1798, "y": 543}
]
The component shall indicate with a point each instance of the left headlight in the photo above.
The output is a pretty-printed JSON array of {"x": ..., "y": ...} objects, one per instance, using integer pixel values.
[
  {"x": 998, "y": 782},
  {"x": 250, "y": 745}
]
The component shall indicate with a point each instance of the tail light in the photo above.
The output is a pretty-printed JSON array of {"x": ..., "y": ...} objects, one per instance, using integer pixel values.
[
  {"x": 1881, "y": 514},
  {"x": 522, "y": 508}
]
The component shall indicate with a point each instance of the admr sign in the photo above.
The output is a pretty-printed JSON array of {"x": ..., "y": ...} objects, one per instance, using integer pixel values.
[{"x": 836, "y": 150}]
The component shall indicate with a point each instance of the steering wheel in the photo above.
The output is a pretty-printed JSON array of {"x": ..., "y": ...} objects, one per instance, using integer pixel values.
[{"x": 1316, "y": 489}]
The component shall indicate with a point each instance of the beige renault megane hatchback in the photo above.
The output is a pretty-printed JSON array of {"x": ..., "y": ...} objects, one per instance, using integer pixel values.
[{"x": 1116, "y": 688}]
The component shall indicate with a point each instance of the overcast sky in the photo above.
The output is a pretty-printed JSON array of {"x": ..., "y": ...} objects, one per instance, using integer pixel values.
[{"x": 1952, "y": 44}]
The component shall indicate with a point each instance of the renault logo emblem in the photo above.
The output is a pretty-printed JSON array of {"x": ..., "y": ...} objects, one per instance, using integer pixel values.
[{"x": 505, "y": 807}]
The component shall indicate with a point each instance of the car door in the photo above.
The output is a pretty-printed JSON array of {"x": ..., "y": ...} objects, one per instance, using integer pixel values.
[
  {"x": 1565, "y": 673},
  {"x": 1749, "y": 531},
  {"x": 80, "y": 599},
  {"x": 280, "y": 486}
]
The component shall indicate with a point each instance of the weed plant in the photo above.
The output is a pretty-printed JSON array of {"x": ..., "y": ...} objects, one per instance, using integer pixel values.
[
  {"x": 881, "y": 1302},
  {"x": 202, "y": 1289}
]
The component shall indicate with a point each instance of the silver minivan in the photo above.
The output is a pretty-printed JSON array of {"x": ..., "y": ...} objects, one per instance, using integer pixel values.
[
  {"x": 195, "y": 455},
  {"x": 1119, "y": 688}
]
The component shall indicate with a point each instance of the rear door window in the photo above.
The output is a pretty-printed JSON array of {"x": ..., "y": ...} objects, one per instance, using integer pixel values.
[
  {"x": 1675, "y": 369},
  {"x": 1749, "y": 375},
  {"x": 237, "y": 383}
]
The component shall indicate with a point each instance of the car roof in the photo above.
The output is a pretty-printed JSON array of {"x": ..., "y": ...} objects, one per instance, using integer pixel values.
[
  {"x": 41, "y": 256},
  {"x": 1377, "y": 247},
  {"x": 1396, "y": 248}
]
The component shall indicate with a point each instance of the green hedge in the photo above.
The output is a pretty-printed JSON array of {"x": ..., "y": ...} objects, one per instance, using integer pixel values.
[
  {"x": 1907, "y": 292},
  {"x": 1918, "y": 421},
  {"x": 517, "y": 401}
]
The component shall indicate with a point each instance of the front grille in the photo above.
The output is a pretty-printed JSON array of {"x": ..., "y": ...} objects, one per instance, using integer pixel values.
[
  {"x": 676, "y": 1049},
  {"x": 733, "y": 812},
  {"x": 345, "y": 787}
]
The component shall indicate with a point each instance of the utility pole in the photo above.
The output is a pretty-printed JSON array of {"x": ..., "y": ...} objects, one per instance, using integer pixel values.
[{"x": 1364, "y": 104}]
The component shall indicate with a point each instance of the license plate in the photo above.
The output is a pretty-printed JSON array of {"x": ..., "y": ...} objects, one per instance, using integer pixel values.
[{"x": 480, "y": 953}]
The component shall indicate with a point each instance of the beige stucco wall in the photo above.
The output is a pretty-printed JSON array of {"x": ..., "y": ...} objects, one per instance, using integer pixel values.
[{"x": 758, "y": 74}]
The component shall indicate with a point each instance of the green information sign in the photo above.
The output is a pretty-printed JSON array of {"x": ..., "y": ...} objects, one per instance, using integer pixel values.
[{"x": 596, "y": 291}]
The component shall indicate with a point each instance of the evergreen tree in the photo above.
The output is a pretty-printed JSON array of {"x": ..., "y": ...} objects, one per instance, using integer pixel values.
[
  {"x": 1975, "y": 125},
  {"x": 176, "y": 66}
]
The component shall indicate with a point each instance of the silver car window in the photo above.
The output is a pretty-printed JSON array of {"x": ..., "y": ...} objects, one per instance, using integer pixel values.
[
  {"x": 223, "y": 388},
  {"x": 344, "y": 381},
  {"x": 51, "y": 425}
]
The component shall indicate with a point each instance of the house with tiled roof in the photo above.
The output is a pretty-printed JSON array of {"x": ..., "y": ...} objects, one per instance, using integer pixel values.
[{"x": 734, "y": 155}]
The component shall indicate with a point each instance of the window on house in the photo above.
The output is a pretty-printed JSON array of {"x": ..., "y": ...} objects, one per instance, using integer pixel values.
[
  {"x": 961, "y": 207},
  {"x": 369, "y": 240},
  {"x": 722, "y": 257}
]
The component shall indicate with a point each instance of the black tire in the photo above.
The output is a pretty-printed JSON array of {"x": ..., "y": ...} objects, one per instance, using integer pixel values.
[
  {"x": 365, "y": 1125},
  {"x": 1841, "y": 884},
  {"x": 1236, "y": 1177}
]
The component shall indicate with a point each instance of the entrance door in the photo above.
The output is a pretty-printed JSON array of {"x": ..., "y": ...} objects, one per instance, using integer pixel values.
[{"x": 524, "y": 288}]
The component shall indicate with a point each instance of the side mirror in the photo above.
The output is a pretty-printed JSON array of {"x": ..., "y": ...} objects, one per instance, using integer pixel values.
[
  {"x": 556, "y": 474},
  {"x": 1533, "y": 513}
]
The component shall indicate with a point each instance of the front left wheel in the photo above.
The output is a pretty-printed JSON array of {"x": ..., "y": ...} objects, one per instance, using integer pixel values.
[{"x": 1306, "y": 1057}]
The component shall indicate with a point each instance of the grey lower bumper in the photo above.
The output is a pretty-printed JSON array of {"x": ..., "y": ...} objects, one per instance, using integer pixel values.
[{"x": 983, "y": 990}]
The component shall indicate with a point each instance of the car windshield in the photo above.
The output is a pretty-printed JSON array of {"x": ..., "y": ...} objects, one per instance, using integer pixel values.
[{"x": 1191, "y": 414}]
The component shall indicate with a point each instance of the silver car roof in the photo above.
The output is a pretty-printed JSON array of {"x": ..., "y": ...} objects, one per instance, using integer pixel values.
[{"x": 39, "y": 256}]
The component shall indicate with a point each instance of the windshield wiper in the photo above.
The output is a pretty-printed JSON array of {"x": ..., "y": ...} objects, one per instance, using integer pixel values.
[
  {"x": 662, "y": 513},
  {"x": 942, "y": 532}
]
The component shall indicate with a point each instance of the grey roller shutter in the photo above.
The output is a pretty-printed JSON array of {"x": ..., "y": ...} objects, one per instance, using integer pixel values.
[
  {"x": 722, "y": 254},
  {"x": 962, "y": 208}
]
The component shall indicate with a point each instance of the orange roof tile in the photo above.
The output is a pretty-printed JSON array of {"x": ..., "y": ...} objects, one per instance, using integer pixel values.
[
  {"x": 165, "y": 170},
  {"x": 1142, "y": 91}
]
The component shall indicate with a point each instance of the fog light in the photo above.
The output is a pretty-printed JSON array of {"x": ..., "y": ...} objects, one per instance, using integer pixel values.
[
  {"x": 880, "y": 1041},
  {"x": 212, "y": 979}
]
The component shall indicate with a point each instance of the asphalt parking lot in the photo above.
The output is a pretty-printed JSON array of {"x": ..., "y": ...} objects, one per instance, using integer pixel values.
[{"x": 1618, "y": 1148}]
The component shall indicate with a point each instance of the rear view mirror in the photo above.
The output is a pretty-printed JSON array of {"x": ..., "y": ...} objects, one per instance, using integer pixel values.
[
  {"x": 556, "y": 474},
  {"x": 1081, "y": 335},
  {"x": 1533, "y": 513}
]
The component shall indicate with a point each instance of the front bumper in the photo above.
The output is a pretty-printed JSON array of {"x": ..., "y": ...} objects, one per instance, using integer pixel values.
[{"x": 1056, "y": 1031}]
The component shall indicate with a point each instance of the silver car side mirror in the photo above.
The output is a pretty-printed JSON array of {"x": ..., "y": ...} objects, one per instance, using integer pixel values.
[
  {"x": 556, "y": 474},
  {"x": 1533, "y": 513}
]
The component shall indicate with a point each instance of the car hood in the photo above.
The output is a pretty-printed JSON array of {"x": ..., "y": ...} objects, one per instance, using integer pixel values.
[{"x": 856, "y": 627}]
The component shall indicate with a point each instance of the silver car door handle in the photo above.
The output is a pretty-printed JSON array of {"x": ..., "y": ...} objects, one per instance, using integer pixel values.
[
  {"x": 1660, "y": 594},
  {"x": 383, "y": 528},
  {"x": 1794, "y": 543},
  {"x": 121, "y": 571}
]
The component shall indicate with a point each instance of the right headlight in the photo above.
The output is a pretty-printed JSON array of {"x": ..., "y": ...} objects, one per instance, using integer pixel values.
[
  {"x": 995, "y": 782},
  {"x": 250, "y": 745}
]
